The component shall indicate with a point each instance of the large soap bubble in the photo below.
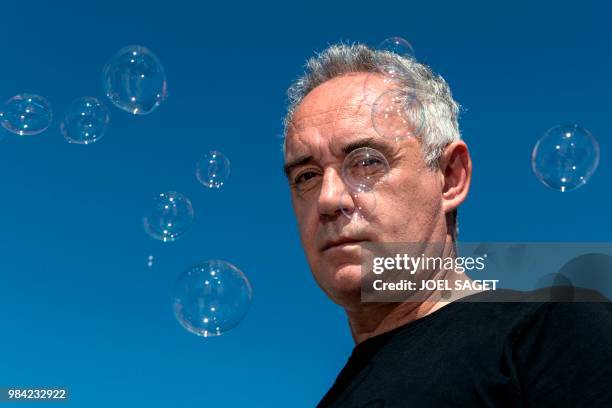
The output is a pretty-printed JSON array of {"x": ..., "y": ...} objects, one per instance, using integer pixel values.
[
  {"x": 85, "y": 121},
  {"x": 170, "y": 217},
  {"x": 397, "y": 114},
  {"x": 211, "y": 298},
  {"x": 565, "y": 158},
  {"x": 26, "y": 114},
  {"x": 134, "y": 80}
]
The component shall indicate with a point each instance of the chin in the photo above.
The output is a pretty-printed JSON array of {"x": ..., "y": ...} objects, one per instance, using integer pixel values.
[{"x": 344, "y": 284}]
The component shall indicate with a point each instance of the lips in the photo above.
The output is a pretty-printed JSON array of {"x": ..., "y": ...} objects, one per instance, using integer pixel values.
[{"x": 340, "y": 241}]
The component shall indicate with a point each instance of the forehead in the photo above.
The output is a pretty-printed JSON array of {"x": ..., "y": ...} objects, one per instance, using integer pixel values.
[{"x": 333, "y": 114}]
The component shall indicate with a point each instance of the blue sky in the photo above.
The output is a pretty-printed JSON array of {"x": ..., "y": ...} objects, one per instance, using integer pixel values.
[{"x": 79, "y": 306}]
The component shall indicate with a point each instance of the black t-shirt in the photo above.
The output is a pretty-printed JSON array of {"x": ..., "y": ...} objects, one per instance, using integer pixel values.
[{"x": 475, "y": 354}]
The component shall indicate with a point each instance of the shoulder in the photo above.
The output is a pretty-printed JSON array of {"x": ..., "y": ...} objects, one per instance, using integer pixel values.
[
  {"x": 564, "y": 355},
  {"x": 507, "y": 308},
  {"x": 518, "y": 314},
  {"x": 567, "y": 323}
]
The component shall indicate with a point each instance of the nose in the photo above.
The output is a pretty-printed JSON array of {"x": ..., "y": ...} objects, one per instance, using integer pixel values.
[{"x": 333, "y": 197}]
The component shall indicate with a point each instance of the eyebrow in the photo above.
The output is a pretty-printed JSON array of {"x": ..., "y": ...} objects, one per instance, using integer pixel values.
[
  {"x": 300, "y": 161},
  {"x": 370, "y": 142}
]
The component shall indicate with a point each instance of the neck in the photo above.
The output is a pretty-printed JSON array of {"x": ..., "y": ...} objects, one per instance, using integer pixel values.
[
  {"x": 381, "y": 318},
  {"x": 367, "y": 320}
]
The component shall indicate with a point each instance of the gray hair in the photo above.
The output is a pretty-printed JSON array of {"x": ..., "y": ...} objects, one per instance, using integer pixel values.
[{"x": 439, "y": 110}]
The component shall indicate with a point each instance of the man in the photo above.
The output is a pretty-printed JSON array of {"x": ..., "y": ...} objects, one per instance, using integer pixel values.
[{"x": 429, "y": 352}]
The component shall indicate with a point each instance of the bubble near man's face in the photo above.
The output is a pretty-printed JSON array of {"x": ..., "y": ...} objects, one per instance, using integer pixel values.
[
  {"x": 397, "y": 45},
  {"x": 363, "y": 168},
  {"x": 391, "y": 69},
  {"x": 397, "y": 114}
]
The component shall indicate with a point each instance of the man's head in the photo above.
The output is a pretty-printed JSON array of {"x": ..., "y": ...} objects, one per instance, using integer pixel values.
[{"x": 330, "y": 115}]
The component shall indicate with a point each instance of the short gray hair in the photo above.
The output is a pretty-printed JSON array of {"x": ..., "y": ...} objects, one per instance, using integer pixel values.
[{"x": 440, "y": 110}]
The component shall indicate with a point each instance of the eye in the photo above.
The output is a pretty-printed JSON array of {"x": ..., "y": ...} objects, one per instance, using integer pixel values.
[
  {"x": 369, "y": 162},
  {"x": 364, "y": 167},
  {"x": 304, "y": 177},
  {"x": 305, "y": 180},
  {"x": 368, "y": 166}
]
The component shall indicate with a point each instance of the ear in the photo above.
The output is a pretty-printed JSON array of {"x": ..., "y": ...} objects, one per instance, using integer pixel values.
[{"x": 456, "y": 172}]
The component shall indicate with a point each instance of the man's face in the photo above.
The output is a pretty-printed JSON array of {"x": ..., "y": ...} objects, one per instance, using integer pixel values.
[{"x": 330, "y": 122}]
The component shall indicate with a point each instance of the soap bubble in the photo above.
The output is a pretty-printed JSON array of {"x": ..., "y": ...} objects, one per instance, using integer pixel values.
[
  {"x": 150, "y": 259},
  {"x": 85, "y": 121},
  {"x": 397, "y": 115},
  {"x": 134, "y": 80},
  {"x": 565, "y": 158},
  {"x": 397, "y": 45},
  {"x": 26, "y": 114},
  {"x": 393, "y": 74},
  {"x": 358, "y": 203},
  {"x": 363, "y": 168},
  {"x": 213, "y": 169},
  {"x": 392, "y": 70},
  {"x": 211, "y": 298},
  {"x": 170, "y": 217}
]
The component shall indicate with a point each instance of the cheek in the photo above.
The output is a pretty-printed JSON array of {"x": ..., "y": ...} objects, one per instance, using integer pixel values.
[
  {"x": 307, "y": 223},
  {"x": 407, "y": 204},
  {"x": 302, "y": 210}
]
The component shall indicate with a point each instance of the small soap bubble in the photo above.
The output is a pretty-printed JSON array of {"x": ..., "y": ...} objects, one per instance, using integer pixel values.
[
  {"x": 134, "y": 80},
  {"x": 397, "y": 115},
  {"x": 213, "y": 169},
  {"x": 150, "y": 261},
  {"x": 85, "y": 121},
  {"x": 363, "y": 168},
  {"x": 358, "y": 203},
  {"x": 393, "y": 70},
  {"x": 565, "y": 158},
  {"x": 397, "y": 45},
  {"x": 170, "y": 217},
  {"x": 211, "y": 298},
  {"x": 26, "y": 114}
]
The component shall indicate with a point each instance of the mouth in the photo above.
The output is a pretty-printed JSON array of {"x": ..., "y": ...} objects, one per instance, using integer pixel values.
[{"x": 341, "y": 242}]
